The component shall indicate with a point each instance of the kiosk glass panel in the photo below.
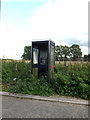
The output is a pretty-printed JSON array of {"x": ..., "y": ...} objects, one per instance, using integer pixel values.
[
  {"x": 52, "y": 60},
  {"x": 35, "y": 56}
]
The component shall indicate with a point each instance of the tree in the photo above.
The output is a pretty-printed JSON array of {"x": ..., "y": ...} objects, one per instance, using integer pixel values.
[
  {"x": 66, "y": 52},
  {"x": 85, "y": 57},
  {"x": 59, "y": 52},
  {"x": 89, "y": 57},
  {"x": 75, "y": 52},
  {"x": 27, "y": 53}
]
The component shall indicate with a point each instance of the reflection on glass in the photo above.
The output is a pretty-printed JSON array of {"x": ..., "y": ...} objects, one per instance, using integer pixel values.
[
  {"x": 35, "y": 56},
  {"x": 52, "y": 55}
]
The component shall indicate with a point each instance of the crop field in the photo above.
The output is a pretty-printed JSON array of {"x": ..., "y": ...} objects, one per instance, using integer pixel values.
[
  {"x": 69, "y": 79},
  {"x": 56, "y": 62},
  {"x": 10, "y": 60}
]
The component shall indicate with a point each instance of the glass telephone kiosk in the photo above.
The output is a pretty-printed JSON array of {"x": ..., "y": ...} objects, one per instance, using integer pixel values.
[{"x": 43, "y": 58}]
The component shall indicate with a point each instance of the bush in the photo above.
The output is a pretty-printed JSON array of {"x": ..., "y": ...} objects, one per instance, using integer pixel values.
[
  {"x": 18, "y": 70},
  {"x": 17, "y": 78},
  {"x": 72, "y": 80},
  {"x": 68, "y": 79},
  {"x": 35, "y": 87}
]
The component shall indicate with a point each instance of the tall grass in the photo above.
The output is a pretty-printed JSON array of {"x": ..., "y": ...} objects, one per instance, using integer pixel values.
[
  {"x": 72, "y": 80},
  {"x": 68, "y": 79}
]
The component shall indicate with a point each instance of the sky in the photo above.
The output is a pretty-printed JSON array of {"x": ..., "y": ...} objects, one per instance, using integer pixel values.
[{"x": 63, "y": 21}]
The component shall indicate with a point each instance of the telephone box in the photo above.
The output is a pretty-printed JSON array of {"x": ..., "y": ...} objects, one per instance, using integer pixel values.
[{"x": 43, "y": 59}]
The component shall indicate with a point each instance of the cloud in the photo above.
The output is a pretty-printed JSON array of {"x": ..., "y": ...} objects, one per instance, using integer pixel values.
[
  {"x": 65, "y": 22},
  {"x": 85, "y": 49},
  {"x": 13, "y": 41},
  {"x": 81, "y": 40},
  {"x": 25, "y": 0}
]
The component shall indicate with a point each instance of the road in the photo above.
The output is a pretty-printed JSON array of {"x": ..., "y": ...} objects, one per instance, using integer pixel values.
[{"x": 24, "y": 108}]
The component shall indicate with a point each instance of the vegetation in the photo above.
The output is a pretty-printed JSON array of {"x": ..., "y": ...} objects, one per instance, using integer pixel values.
[
  {"x": 72, "y": 80},
  {"x": 69, "y": 79},
  {"x": 17, "y": 78},
  {"x": 87, "y": 57},
  {"x": 68, "y": 53},
  {"x": 27, "y": 53},
  {"x": 63, "y": 53}
]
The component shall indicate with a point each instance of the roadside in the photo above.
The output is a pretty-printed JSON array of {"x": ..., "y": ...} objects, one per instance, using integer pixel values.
[
  {"x": 13, "y": 107},
  {"x": 62, "y": 99}
]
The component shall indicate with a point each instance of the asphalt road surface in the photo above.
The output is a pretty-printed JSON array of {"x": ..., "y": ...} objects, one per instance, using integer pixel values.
[{"x": 24, "y": 108}]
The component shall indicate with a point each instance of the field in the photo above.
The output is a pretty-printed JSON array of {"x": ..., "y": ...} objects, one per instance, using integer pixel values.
[
  {"x": 56, "y": 62},
  {"x": 69, "y": 79}
]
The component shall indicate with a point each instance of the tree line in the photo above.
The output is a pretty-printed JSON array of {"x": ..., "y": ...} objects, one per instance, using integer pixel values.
[
  {"x": 62, "y": 53},
  {"x": 68, "y": 53}
]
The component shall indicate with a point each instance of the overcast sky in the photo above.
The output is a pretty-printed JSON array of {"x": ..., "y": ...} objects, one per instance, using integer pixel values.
[{"x": 63, "y": 21}]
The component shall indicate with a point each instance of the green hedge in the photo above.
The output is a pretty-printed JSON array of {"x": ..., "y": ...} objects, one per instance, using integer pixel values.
[
  {"x": 68, "y": 79},
  {"x": 72, "y": 80}
]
